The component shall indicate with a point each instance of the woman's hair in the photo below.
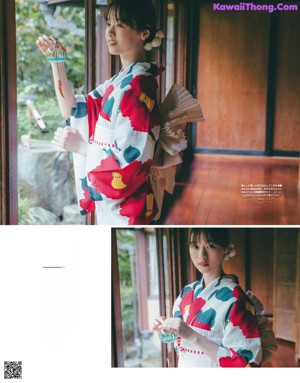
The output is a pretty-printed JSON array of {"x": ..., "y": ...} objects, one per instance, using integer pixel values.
[
  {"x": 219, "y": 236},
  {"x": 137, "y": 14}
]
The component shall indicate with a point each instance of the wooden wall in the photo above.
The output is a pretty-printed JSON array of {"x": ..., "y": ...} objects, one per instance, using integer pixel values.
[
  {"x": 285, "y": 283},
  {"x": 253, "y": 263},
  {"x": 287, "y": 119},
  {"x": 243, "y": 56}
]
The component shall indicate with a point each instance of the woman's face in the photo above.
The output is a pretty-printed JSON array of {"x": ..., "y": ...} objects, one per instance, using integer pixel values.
[
  {"x": 206, "y": 255},
  {"x": 122, "y": 39}
]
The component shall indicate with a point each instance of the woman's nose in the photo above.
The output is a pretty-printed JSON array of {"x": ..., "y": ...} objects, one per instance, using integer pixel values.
[
  {"x": 111, "y": 30},
  {"x": 202, "y": 254}
]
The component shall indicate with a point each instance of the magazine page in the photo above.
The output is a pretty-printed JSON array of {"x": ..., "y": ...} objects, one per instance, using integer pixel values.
[{"x": 55, "y": 294}]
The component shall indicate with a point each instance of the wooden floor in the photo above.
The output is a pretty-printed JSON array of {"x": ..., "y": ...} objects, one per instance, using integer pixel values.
[
  {"x": 284, "y": 356},
  {"x": 211, "y": 192}
]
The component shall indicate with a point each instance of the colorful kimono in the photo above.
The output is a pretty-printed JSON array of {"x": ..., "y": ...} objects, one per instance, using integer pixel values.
[
  {"x": 120, "y": 120},
  {"x": 223, "y": 314}
]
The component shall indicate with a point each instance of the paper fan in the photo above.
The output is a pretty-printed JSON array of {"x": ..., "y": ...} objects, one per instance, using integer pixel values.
[
  {"x": 267, "y": 337},
  {"x": 172, "y": 141},
  {"x": 259, "y": 307},
  {"x": 180, "y": 105},
  {"x": 177, "y": 109}
]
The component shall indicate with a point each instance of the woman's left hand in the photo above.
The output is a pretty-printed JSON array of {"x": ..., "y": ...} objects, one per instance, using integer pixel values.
[
  {"x": 70, "y": 139},
  {"x": 179, "y": 327}
]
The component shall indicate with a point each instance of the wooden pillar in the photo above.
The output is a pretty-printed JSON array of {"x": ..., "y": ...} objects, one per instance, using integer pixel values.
[
  {"x": 8, "y": 114},
  {"x": 117, "y": 350},
  {"x": 90, "y": 59}
]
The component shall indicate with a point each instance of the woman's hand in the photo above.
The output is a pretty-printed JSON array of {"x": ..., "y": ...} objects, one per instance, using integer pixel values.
[
  {"x": 70, "y": 139},
  {"x": 44, "y": 42},
  {"x": 175, "y": 325},
  {"x": 49, "y": 45},
  {"x": 157, "y": 323},
  {"x": 179, "y": 327}
]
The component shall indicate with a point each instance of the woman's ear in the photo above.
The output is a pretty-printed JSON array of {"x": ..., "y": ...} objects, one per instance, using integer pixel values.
[{"x": 145, "y": 34}]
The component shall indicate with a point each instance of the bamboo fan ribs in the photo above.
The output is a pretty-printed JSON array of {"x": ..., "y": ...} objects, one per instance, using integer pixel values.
[{"x": 177, "y": 109}]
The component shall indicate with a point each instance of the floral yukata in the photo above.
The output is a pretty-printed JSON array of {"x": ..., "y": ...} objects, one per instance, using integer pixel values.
[
  {"x": 222, "y": 313},
  {"x": 120, "y": 120}
]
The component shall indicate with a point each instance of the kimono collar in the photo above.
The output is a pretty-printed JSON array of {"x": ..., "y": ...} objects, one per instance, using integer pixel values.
[
  {"x": 152, "y": 68},
  {"x": 218, "y": 280}
]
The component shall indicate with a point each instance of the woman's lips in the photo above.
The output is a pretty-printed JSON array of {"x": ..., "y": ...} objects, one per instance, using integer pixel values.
[
  {"x": 111, "y": 43},
  {"x": 202, "y": 264}
]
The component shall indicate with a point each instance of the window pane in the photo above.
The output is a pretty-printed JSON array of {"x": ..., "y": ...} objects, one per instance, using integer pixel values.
[
  {"x": 170, "y": 70},
  {"x": 46, "y": 185},
  {"x": 139, "y": 298}
]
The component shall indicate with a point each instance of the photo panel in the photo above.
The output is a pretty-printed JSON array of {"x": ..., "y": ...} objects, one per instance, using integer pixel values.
[{"x": 153, "y": 267}]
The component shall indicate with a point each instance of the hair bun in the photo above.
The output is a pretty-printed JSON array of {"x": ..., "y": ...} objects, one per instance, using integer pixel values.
[
  {"x": 156, "y": 42},
  {"x": 231, "y": 252}
]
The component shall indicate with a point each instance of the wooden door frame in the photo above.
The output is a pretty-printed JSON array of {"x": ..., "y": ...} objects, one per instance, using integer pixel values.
[{"x": 8, "y": 114}]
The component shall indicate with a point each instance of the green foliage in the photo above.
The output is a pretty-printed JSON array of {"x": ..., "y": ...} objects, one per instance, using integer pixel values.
[
  {"x": 127, "y": 311},
  {"x": 34, "y": 75},
  {"x": 126, "y": 239},
  {"x": 23, "y": 208}
]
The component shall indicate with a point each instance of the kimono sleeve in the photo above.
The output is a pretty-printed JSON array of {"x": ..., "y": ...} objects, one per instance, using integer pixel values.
[
  {"x": 124, "y": 173},
  {"x": 83, "y": 118},
  {"x": 241, "y": 344},
  {"x": 176, "y": 308}
]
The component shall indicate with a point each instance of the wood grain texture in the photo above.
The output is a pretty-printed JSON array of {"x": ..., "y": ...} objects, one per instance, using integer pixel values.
[
  {"x": 212, "y": 192},
  {"x": 232, "y": 79},
  {"x": 287, "y": 119},
  {"x": 285, "y": 286},
  {"x": 284, "y": 356}
]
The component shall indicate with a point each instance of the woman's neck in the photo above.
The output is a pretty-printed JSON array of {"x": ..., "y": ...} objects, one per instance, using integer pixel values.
[
  {"x": 126, "y": 60},
  {"x": 210, "y": 276}
]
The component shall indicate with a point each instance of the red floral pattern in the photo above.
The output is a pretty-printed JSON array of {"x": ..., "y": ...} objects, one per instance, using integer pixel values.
[
  {"x": 132, "y": 176},
  {"x": 106, "y": 95},
  {"x": 141, "y": 118},
  {"x": 242, "y": 314},
  {"x": 135, "y": 206},
  {"x": 235, "y": 360},
  {"x": 86, "y": 204},
  {"x": 93, "y": 109}
]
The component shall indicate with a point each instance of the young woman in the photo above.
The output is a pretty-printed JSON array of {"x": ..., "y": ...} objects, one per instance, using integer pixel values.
[
  {"x": 214, "y": 319},
  {"x": 113, "y": 130}
]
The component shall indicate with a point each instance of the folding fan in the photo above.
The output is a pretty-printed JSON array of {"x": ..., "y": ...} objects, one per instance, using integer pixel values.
[
  {"x": 267, "y": 337},
  {"x": 178, "y": 108}
]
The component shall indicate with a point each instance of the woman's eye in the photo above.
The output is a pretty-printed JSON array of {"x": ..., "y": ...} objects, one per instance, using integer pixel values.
[
  {"x": 120, "y": 25},
  {"x": 211, "y": 246}
]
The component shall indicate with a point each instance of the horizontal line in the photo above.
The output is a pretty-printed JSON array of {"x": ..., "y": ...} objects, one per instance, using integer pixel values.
[
  {"x": 285, "y": 153},
  {"x": 230, "y": 151},
  {"x": 53, "y": 267},
  {"x": 279, "y": 153}
]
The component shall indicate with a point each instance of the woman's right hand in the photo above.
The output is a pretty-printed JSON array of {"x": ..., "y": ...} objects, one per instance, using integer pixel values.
[
  {"x": 45, "y": 44},
  {"x": 157, "y": 323}
]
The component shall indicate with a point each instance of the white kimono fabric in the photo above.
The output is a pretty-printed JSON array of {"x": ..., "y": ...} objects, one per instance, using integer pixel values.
[
  {"x": 120, "y": 120},
  {"x": 222, "y": 313}
]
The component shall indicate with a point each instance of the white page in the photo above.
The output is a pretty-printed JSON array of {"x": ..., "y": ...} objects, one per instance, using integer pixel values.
[{"x": 55, "y": 320}]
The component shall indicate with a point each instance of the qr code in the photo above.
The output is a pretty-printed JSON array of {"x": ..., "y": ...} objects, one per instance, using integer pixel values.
[{"x": 12, "y": 370}]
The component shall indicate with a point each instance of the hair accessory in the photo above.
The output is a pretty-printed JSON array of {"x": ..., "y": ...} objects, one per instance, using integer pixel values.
[
  {"x": 156, "y": 42},
  {"x": 230, "y": 251}
]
